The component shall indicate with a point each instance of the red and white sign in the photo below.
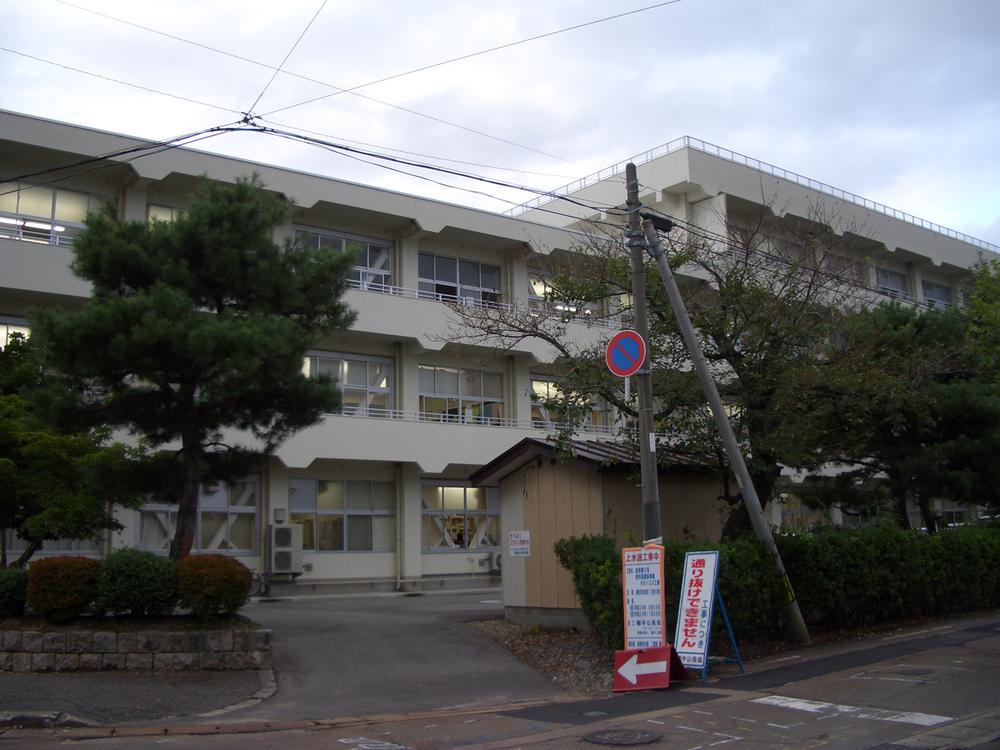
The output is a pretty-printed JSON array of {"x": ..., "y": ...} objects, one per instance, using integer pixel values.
[
  {"x": 625, "y": 353},
  {"x": 643, "y": 595},
  {"x": 694, "y": 618},
  {"x": 519, "y": 543},
  {"x": 642, "y": 669}
]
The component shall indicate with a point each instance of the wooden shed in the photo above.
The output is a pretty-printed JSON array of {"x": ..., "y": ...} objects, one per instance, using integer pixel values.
[{"x": 546, "y": 497}]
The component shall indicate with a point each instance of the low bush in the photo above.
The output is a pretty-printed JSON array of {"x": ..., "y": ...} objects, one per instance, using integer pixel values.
[
  {"x": 842, "y": 578},
  {"x": 137, "y": 582},
  {"x": 62, "y": 588},
  {"x": 13, "y": 591},
  {"x": 212, "y": 585}
]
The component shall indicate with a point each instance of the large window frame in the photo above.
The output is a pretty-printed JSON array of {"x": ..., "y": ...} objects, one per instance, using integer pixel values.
[
  {"x": 893, "y": 283},
  {"x": 459, "y": 518},
  {"x": 373, "y": 269},
  {"x": 228, "y": 520},
  {"x": 43, "y": 214},
  {"x": 451, "y": 279},
  {"x": 545, "y": 389},
  {"x": 344, "y": 515},
  {"x": 455, "y": 394},
  {"x": 937, "y": 294},
  {"x": 366, "y": 382}
]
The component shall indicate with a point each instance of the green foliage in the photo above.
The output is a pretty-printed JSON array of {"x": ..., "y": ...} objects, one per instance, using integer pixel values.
[
  {"x": 595, "y": 563},
  {"x": 196, "y": 326},
  {"x": 13, "y": 591},
  {"x": 842, "y": 578},
  {"x": 62, "y": 588},
  {"x": 133, "y": 581},
  {"x": 984, "y": 314},
  {"x": 212, "y": 585}
]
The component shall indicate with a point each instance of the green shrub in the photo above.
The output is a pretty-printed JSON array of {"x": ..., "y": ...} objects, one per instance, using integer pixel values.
[
  {"x": 595, "y": 562},
  {"x": 13, "y": 591},
  {"x": 137, "y": 582},
  {"x": 61, "y": 588},
  {"x": 213, "y": 584}
]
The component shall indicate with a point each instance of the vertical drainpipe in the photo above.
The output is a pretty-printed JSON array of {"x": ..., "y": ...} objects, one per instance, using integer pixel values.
[{"x": 398, "y": 466}]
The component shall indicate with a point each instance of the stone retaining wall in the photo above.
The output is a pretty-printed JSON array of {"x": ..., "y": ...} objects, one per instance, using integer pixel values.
[{"x": 154, "y": 650}]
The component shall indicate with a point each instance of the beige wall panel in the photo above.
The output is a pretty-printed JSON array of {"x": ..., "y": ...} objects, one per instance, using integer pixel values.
[
  {"x": 623, "y": 507},
  {"x": 532, "y": 523},
  {"x": 568, "y": 484},
  {"x": 690, "y": 507},
  {"x": 546, "y": 535}
]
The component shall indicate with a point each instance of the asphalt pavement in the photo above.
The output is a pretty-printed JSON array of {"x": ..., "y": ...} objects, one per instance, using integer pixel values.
[{"x": 397, "y": 673}]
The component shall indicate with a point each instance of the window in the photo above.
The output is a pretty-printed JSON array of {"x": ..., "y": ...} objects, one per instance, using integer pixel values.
[
  {"x": 365, "y": 382},
  {"x": 546, "y": 409},
  {"x": 458, "y": 280},
  {"x": 227, "y": 519},
  {"x": 893, "y": 283},
  {"x": 162, "y": 213},
  {"x": 344, "y": 516},
  {"x": 450, "y": 394},
  {"x": 542, "y": 296},
  {"x": 9, "y": 329},
  {"x": 373, "y": 257},
  {"x": 458, "y": 518},
  {"x": 16, "y": 545},
  {"x": 936, "y": 295},
  {"x": 38, "y": 213}
]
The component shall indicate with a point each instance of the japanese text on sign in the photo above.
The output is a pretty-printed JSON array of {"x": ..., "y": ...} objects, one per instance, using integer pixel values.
[
  {"x": 642, "y": 588},
  {"x": 519, "y": 543},
  {"x": 694, "y": 618}
]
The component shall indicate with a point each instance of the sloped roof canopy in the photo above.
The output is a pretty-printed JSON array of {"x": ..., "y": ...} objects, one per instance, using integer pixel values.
[{"x": 594, "y": 453}]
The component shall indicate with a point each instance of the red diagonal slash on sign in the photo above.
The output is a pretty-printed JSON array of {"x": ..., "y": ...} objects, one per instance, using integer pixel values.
[{"x": 625, "y": 353}]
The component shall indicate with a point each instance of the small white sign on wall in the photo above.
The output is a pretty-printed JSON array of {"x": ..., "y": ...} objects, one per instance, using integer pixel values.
[{"x": 519, "y": 543}]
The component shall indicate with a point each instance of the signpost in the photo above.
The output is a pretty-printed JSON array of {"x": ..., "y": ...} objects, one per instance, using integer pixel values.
[
  {"x": 699, "y": 592},
  {"x": 642, "y": 589},
  {"x": 625, "y": 353}
]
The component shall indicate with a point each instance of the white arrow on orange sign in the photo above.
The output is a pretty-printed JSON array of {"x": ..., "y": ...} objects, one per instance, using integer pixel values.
[{"x": 631, "y": 669}]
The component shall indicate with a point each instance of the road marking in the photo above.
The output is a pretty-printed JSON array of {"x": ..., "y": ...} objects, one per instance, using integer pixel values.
[
  {"x": 858, "y": 712},
  {"x": 937, "y": 666},
  {"x": 784, "y": 658},
  {"x": 654, "y": 721},
  {"x": 917, "y": 632},
  {"x": 703, "y": 713},
  {"x": 692, "y": 729},
  {"x": 860, "y": 676},
  {"x": 785, "y": 726}
]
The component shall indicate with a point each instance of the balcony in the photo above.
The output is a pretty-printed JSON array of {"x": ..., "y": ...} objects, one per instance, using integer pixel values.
[{"x": 39, "y": 231}]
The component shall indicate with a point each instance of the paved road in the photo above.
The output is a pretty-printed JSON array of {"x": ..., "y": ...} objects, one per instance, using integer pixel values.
[{"x": 931, "y": 689}]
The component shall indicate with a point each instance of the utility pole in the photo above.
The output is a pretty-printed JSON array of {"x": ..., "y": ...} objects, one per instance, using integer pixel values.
[
  {"x": 754, "y": 509},
  {"x": 644, "y": 385}
]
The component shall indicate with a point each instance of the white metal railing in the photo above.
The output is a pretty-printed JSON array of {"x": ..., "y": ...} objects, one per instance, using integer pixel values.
[
  {"x": 762, "y": 166},
  {"x": 450, "y": 299},
  {"x": 41, "y": 231},
  {"x": 402, "y": 415}
]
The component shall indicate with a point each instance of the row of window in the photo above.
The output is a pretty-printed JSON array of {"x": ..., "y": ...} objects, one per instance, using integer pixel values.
[
  {"x": 897, "y": 284},
  {"x": 43, "y": 214}
]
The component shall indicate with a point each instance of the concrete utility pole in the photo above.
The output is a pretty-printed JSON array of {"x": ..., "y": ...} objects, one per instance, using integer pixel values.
[
  {"x": 754, "y": 509},
  {"x": 644, "y": 385}
]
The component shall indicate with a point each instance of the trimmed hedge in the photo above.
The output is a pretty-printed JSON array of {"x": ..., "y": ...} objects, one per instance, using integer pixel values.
[
  {"x": 137, "y": 582},
  {"x": 13, "y": 592},
  {"x": 842, "y": 578},
  {"x": 62, "y": 588},
  {"x": 213, "y": 584}
]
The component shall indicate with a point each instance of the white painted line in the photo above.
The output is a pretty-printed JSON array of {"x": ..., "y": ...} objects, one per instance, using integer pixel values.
[
  {"x": 860, "y": 676},
  {"x": 740, "y": 718},
  {"x": 692, "y": 729},
  {"x": 785, "y": 726},
  {"x": 936, "y": 666},
  {"x": 654, "y": 721},
  {"x": 784, "y": 658},
  {"x": 703, "y": 713},
  {"x": 917, "y": 632},
  {"x": 858, "y": 712}
]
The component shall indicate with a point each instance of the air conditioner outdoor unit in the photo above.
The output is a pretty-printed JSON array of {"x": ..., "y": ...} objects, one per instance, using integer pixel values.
[{"x": 286, "y": 548}]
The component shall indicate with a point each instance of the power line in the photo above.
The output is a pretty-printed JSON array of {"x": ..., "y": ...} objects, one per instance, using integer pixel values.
[
  {"x": 470, "y": 55},
  {"x": 338, "y": 89},
  {"x": 278, "y": 69},
  {"x": 119, "y": 81}
]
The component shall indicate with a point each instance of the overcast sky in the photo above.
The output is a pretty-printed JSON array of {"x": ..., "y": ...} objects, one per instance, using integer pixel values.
[{"x": 895, "y": 101}]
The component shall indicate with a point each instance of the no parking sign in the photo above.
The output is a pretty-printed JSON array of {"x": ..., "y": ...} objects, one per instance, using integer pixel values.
[{"x": 625, "y": 353}]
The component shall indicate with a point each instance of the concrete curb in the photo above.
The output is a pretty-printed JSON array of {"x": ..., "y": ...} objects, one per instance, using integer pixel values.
[
  {"x": 44, "y": 720},
  {"x": 970, "y": 732}
]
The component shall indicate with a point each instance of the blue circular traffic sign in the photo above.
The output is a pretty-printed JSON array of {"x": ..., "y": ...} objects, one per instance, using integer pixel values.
[{"x": 625, "y": 353}]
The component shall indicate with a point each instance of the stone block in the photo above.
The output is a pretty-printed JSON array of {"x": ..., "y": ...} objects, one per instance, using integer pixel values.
[
  {"x": 105, "y": 643},
  {"x": 128, "y": 643},
  {"x": 11, "y": 640},
  {"x": 149, "y": 642},
  {"x": 187, "y": 660},
  {"x": 20, "y": 661},
  {"x": 212, "y": 660},
  {"x": 242, "y": 640},
  {"x": 163, "y": 662},
  {"x": 5, "y": 661},
  {"x": 113, "y": 661},
  {"x": 262, "y": 640},
  {"x": 67, "y": 662},
  {"x": 219, "y": 640},
  {"x": 235, "y": 660},
  {"x": 138, "y": 662},
  {"x": 54, "y": 643},
  {"x": 258, "y": 659},
  {"x": 79, "y": 641},
  {"x": 178, "y": 642},
  {"x": 31, "y": 641},
  {"x": 90, "y": 662},
  {"x": 42, "y": 662}
]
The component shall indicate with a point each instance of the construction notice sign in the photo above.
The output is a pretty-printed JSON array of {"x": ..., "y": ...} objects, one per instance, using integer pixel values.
[
  {"x": 519, "y": 543},
  {"x": 694, "y": 618},
  {"x": 642, "y": 590}
]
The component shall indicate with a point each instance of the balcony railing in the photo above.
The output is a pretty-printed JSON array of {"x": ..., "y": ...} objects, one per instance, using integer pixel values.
[
  {"x": 455, "y": 419},
  {"x": 399, "y": 291},
  {"x": 40, "y": 231},
  {"x": 762, "y": 166}
]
